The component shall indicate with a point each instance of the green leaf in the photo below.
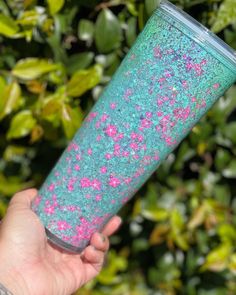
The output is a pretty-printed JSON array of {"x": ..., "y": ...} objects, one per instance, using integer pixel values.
[
  {"x": 229, "y": 131},
  {"x": 79, "y": 61},
  {"x": 151, "y": 5},
  {"x": 230, "y": 170},
  {"x": 71, "y": 119},
  {"x": 11, "y": 99},
  {"x": 108, "y": 32},
  {"x": 84, "y": 80},
  {"x": 28, "y": 18},
  {"x": 226, "y": 15},
  {"x": 10, "y": 185},
  {"x": 222, "y": 158},
  {"x": 55, "y": 5},
  {"x": 32, "y": 68},
  {"x": 85, "y": 30},
  {"x": 218, "y": 258},
  {"x": 21, "y": 124},
  {"x": 8, "y": 27},
  {"x": 155, "y": 214},
  {"x": 130, "y": 32}
]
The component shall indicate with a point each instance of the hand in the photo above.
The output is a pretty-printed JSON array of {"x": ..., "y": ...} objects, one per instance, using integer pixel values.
[{"x": 29, "y": 265}]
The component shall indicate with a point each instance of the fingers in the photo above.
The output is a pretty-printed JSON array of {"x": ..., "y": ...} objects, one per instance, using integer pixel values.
[
  {"x": 100, "y": 242},
  {"x": 24, "y": 198},
  {"x": 94, "y": 256},
  {"x": 112, "y": 226}
]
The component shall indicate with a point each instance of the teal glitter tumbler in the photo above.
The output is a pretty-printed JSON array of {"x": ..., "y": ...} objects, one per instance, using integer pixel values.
[{"x": 170, "y": 78}]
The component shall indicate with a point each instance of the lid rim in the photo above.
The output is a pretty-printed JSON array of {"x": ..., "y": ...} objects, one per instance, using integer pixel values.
[{"x": 201, "y": 32}]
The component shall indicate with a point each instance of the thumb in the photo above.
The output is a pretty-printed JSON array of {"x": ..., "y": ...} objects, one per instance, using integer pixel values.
[{"x": 23, "y": 199}]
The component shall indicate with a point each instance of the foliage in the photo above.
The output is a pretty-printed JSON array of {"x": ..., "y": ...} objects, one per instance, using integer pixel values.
[{"x": 179, "y": 231}]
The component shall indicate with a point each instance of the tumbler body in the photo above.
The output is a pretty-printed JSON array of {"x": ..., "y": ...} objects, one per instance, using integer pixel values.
[{"x": 169, "y": 79}]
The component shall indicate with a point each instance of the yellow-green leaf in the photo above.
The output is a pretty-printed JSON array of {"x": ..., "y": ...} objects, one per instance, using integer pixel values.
[
  {"x": 28, "y": 18},
  {"x": 8, "y": 27},
  {"x": 55, "y": 5},
  {"x": 21, "y": 124},
  {"x": 84, "y": 80},
  {"x": 71, "y": 119},
  {"x": 226, "y": 15},
  {"x": 11, "y": 99},
  {"x": 10, "y": 185},
  {"x": 218, "y": 258},
  {"x": 32, "y": 68}
]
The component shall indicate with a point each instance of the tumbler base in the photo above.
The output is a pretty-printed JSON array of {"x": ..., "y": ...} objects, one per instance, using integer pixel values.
[{"x": 61, "y": 244}]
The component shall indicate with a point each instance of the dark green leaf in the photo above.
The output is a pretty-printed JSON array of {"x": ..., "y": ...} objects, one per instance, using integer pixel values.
[
  {"x": 85, "y": 30},
  {"x": 108, "y": 32},
  {"x": 79, "y": 61}
]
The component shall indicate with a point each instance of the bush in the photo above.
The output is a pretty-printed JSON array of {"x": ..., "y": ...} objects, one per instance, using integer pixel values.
[{"x": 179, "y": 231}]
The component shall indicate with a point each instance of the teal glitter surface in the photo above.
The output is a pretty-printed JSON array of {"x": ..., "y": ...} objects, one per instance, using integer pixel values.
[{"x": 165, "y": 84}]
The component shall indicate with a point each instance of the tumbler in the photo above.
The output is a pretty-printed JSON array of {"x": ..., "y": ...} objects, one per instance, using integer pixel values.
[{"x": 169, "y": 79}]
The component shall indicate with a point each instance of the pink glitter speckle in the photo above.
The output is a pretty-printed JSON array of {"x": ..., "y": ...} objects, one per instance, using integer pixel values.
[
  {"x": 90, "y": 151},
  {"x": 78, "y": 157},
  {"x": 108, "y": 156},
  {"x": 51, "y": 187},
  {"x": 98, "y": 197},
  {"x": 125, "y": 153},
  {"x": 113, "y": 106},
  {"x": 157, "y": 52},
  {"x": 99, "y": 137},
  {"x": 216, "y": 85},
  {"x": 85, "y": 182},
  {"x": 104, "y": 117},
  {"x": 113, "y": 181},
  {"x": 49, "y": 210},
  {"x": 103, "y": 169},
  {"x": 111, "y": 130},
  {"x": 96, "y": 184},
  {"x": 63, "y": 225},
  {"x": 148, "y": 115},
  {"x": 145, "y": 123},
  {"x": 77, "y": 167},
  {"x": 134, "y": 146}
]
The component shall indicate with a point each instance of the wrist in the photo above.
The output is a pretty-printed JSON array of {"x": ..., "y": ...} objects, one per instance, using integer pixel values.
[
  {"x": 13, "y": 283},
  {"x": 10, "y": 278}
]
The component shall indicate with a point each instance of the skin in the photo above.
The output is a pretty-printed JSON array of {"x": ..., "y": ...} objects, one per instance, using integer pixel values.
[{"x": 30, "y": 265}]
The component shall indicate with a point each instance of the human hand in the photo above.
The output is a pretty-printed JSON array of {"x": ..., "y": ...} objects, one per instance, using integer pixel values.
[{"x": 29, "y": 265}]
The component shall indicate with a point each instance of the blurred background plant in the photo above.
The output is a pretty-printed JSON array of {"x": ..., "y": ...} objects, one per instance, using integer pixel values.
[{"x": 56, "y": 56}]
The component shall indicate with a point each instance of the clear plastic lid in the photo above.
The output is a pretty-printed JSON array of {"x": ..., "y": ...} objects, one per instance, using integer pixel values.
[{"x": 201, "y": 34}]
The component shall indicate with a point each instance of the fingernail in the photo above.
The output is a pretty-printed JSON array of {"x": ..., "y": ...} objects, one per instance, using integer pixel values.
[{"x": 103, "y": 238}]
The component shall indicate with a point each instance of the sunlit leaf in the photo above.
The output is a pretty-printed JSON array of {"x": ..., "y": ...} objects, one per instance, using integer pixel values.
[
  {"x": 226, "y": 15},
  {"x": 218, "y": 258},
  {"x": 21, "y": 124},
  {"x": 55, "y": 5},
  {"x": 32, "y": 68},
  {"x": 71, "y": 119},
  {"x": 8, "y": 26},
  {"x": 11, "y": 99},
  {"x": 84, "y": 80}
]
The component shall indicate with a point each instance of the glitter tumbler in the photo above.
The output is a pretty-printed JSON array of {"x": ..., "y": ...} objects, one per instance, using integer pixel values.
[{"x": 170, "y": 78}]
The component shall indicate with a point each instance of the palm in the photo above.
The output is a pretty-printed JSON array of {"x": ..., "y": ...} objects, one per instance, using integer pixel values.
[{"x": 45, "y": 268}]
